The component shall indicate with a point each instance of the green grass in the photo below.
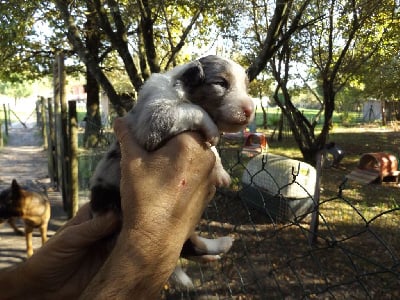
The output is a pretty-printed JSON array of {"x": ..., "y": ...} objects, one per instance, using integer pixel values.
[{"x": 339, "y": 119}]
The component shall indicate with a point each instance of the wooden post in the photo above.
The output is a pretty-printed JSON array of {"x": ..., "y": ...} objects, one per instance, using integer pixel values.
[
  {"x": 38, "y": 113},
  {"x": 1, "y": 135},
  {"x": 43, "y": 122},
  {"x": 51, "y": 144},
  {"x": 60, "y": 109},
  {"x": 57, "y": 126},
  {"x": 73, "y": 154},
  {"x": 6, "y": 116},
  {"x": 314, "y": 224}
]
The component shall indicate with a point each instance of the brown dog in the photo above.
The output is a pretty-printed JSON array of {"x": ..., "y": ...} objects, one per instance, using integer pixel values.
[{"x": 30, "y": 206}]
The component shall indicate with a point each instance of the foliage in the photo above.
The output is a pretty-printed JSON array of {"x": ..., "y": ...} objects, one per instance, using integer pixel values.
[
  {"x": 22, "y": 55},
  {"x": 337, "y": 39},
  {"x": 16, "y": 90},
  {"x": 331, "y": 53}
]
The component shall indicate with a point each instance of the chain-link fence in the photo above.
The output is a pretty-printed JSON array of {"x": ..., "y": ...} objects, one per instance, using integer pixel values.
[
  {"x": 278, "y": 251},
  {"x": 351, "y": 249}
]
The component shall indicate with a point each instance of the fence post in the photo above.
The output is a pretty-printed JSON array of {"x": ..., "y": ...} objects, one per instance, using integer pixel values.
[
  {"x": 1, "y": 134},
  {"x": 73, "y": 155},
  {"x": 314, "y": 224},
  {"x": 38, "y": 112},
  {"x": 6, "y": 116},
  {"x": 57, "y": 137},
  {"x": 43, "y": 122},
  {"x": 51, "y": 144},
  {"x": 60, "y": 109}
]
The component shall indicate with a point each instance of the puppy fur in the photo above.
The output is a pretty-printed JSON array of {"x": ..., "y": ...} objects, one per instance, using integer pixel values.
[
  {"x": 208, "y": 95},
  {"x": 32, "y": 207}
]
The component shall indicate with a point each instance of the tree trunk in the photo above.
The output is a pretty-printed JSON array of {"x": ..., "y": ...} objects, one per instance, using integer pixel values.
[
  {"x": 93, "y": 119},
  {"x": 265, "y": 120},
  {"x": 92, "y": 63}
]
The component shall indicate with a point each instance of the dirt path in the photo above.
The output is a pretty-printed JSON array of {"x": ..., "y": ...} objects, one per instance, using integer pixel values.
[{"x": 24, "y": 159}]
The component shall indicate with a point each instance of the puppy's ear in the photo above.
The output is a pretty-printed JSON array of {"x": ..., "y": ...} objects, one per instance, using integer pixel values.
[{"x": 193, "y": 75}]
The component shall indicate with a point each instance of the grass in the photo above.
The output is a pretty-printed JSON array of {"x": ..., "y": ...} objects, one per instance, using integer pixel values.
[
  {"x": 357, "y": 252},
  {"x": 355, "y": 142}
]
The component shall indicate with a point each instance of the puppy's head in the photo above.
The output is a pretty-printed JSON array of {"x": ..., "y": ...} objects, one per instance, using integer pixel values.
[{"x": 219, "y": 86}]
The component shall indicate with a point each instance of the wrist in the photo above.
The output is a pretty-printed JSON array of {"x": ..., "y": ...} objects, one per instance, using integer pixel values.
[
  {"x": 15, "y": 283},
  {"x": 152, "y": 250},
  {"x": 137, "y": 267}
]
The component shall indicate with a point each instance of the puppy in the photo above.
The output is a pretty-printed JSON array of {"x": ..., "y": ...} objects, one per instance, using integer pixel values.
[
  {"x": 207, "y": 95},
  {"x": 30, "y": 206}
]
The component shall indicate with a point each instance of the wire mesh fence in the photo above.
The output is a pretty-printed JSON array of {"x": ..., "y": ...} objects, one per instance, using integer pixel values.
[
  {"x": 277, "y": 253},
  {"x": 354, "y": 252}
]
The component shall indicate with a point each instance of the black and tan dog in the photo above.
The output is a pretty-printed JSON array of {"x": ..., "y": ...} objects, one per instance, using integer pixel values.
[{"x": 32, "y": 207}]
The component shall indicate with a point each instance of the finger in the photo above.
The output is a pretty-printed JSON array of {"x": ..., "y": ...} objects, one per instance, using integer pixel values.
[
  {"x": 124, "y": 136},
  {"x": 187, "y": 140},
  {"x": 84, "y": 213},
  {"x": 84, "y": 234},
  {"x": 185, "y": 155}
]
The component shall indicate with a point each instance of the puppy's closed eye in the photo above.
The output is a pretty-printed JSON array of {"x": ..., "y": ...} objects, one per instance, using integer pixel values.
[{"x": 220, "y": 82}]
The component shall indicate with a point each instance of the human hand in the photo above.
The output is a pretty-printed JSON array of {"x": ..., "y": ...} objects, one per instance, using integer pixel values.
[
  {"x": 163, "y": 195},
  {"x": 63, "y": 267}
]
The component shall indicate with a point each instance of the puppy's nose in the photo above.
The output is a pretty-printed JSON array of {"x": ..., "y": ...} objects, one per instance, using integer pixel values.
[{"x": 248, "y": 109}]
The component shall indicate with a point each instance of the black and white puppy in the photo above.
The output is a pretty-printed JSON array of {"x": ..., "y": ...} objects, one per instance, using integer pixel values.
[{"x": 207, "y": 95}]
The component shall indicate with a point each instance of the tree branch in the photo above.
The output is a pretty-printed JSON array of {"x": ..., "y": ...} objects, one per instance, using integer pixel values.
[{"x": 91, "y": 63}]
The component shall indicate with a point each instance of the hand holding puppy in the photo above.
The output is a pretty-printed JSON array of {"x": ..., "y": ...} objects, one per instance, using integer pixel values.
[{"x": 160, "y": 208}]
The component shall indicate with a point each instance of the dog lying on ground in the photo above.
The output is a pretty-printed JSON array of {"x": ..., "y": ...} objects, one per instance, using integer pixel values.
[
  {"x": 32, "y": 207},
  {"x": 207, "y": 95}
]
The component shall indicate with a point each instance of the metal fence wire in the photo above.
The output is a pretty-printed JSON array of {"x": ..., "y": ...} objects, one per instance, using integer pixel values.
[{"x": 278, "y": 253}]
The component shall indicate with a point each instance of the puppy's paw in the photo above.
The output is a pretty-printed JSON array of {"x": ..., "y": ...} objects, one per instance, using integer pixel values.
[
  {"x": 223, "y": 178},
  {"x": 206, "y": 258},
  {"x": 180, "y": 278},
  {"x": 211, "y": 247},
  {"x": 212, "y": 139},
  {"x": 211, "y": 133}
]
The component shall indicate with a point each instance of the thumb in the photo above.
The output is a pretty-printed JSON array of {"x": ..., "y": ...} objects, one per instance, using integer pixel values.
[{"x": 90, "y": 231}]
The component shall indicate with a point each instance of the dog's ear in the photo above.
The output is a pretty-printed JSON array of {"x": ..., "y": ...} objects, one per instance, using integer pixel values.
[
  {"x": 193, "y": 75},
  {"x": 15, "y": 188}
]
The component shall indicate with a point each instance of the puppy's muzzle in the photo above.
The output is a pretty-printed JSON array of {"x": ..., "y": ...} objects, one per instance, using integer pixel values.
[{"x": 244, "y": 114}]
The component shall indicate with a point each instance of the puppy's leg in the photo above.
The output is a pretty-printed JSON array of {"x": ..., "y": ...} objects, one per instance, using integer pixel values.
[
  {"x": 11, "y": 222},
  {"x": 180, "y": 278},
  {"x": 206, "y": 250},
  {"x": 193, "y": 117},
  {"x": 202, "y": 250},
  {"x": 223, "y": 178},
  {"x": 28, "y": 237},
  {"x": 211, "y": 246}
]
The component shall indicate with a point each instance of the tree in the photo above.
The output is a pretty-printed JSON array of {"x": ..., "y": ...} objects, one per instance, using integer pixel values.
[
  {"x": 17, "y": 90},
  {"x": 93, "y": 45},
  {"x": 22, "y": 56},
  {"x": 147, "y": 36},
  {"x": 380, "y": 77},
  {"x": 334, "y": 47},
  {"x": 337, "y": 47},
  {"x": 260, "y": 88}
]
